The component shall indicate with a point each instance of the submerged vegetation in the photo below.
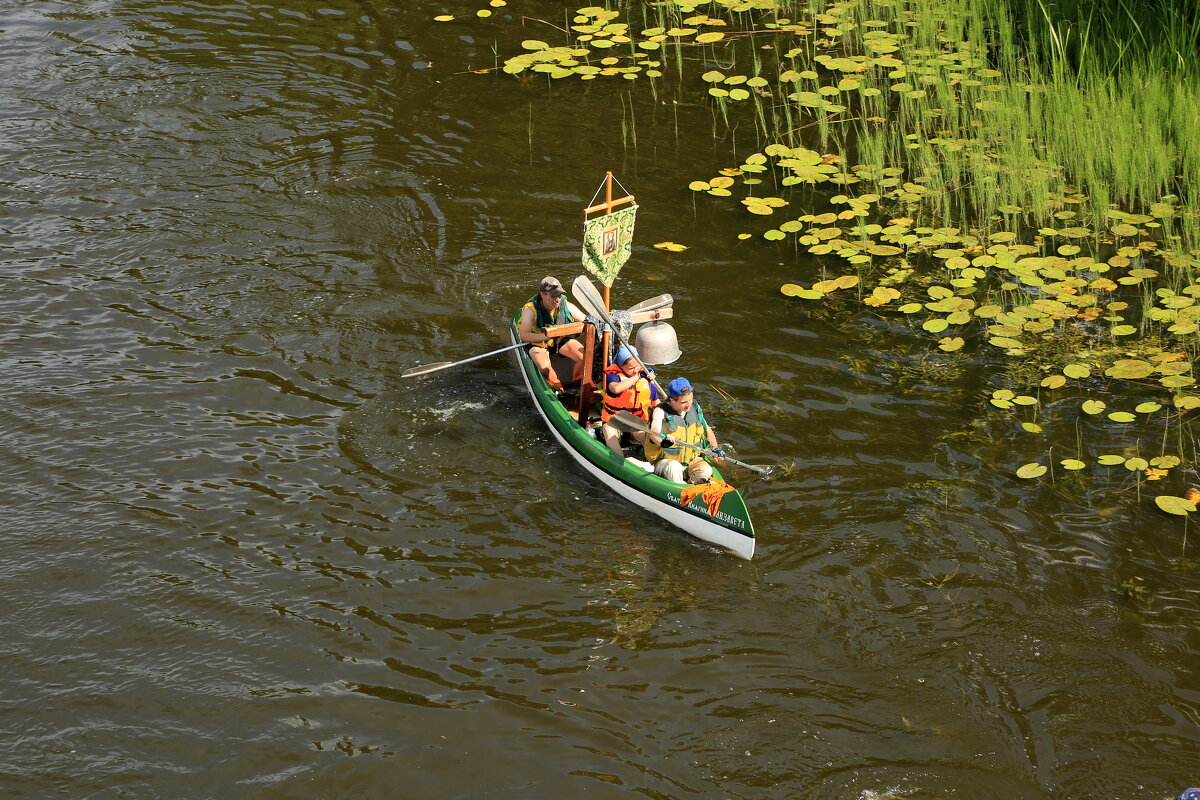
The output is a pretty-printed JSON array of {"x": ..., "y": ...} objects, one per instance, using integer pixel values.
[{"x": 1022, "y": 176}]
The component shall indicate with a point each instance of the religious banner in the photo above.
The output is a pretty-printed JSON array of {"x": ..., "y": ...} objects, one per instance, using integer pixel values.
[{"x": 607, "y": 243}]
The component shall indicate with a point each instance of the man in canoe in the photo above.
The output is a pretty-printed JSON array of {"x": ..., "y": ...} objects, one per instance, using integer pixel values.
[
  {"x": 626, "y": 388},
  {"x": 678, "y": 422},
  {"x": 545, "y": 309}
]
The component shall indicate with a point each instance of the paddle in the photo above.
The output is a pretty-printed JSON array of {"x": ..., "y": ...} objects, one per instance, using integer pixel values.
[
  {"x": 428, "y": 368},
  {"x": 590, "y": 301},
  {"x": 653, "y": 304},
  {"x": 625, "y": 421}
]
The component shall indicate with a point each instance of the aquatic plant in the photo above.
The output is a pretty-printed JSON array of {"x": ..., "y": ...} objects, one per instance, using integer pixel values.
[{"x": 1032, "y": 194}]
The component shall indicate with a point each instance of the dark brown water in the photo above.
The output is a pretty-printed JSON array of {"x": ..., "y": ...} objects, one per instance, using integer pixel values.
[{"x": 243, "y": 558}]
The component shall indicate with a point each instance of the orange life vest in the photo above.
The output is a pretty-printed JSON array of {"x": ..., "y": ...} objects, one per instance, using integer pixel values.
[{"x": 635, "y": 399}]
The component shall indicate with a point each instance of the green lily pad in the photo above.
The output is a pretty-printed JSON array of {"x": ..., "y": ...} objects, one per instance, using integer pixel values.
[
  {"x": 1093, "y": 406},
  {"x": 1078, "y": 371},
  {"x": 1110, "y": 460},
  {"x": 1130, "y": 369},
  {"x": 951, "y": 343},
  {"x": 1174, "y": 505},
  {"x": 1071, "y": 463},
  {"x": 935, "y": 325},
  {"x": 1031, "y": 470}
]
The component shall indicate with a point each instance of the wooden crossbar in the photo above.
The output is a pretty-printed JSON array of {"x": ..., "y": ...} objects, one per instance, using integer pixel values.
[
  {"x": 609, "y": 203},
  {"x": 573, "y": 328}
]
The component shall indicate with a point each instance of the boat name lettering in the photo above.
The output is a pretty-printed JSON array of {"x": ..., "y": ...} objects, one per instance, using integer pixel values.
[{"x": 721, "y": 515}]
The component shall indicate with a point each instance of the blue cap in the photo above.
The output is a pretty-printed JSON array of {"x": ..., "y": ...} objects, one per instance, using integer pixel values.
[
  {"x": 1189, "y": 794},
  {"x": 678, "y": 387},
  {"x": 624, "y": 354}
]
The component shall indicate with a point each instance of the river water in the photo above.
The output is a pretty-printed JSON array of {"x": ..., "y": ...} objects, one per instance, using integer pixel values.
[{"x": 245, "y": 559}]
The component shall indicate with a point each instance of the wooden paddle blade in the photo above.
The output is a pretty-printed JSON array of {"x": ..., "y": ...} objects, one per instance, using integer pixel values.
[
  {"x": 588, "y": 298},
  {"x": 653, "y": 304},
  {"x": 628, "y": 422},
  {"x": 415, "y": 371}
]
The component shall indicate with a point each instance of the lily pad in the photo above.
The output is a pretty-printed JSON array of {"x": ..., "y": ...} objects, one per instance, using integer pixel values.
[
  {"x": 1078, "y": 371},
  {"x": 951, "y": 343},
  {"x": 1130, "y": 369},
  {"x": 1174, "y": 505}
]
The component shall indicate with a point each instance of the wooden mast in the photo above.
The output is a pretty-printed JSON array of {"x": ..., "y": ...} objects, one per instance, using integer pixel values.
[
  {"x": 607, "y": 207},
  {"x": 587, "y": 386}
]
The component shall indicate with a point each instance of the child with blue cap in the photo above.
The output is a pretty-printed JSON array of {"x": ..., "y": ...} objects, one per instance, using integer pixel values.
[
  {"x": 627, "y": 387},
  {"x": 678, "y": 422}
]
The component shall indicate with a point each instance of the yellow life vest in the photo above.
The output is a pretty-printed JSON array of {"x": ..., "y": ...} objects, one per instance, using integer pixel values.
[
  {"x": 543, "y": 320},
  {"x": 688, "y": 428}
]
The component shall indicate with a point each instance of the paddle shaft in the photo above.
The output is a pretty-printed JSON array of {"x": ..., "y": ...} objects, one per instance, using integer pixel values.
[
  {"x": 591, "y": 300},
  {"x": 428, "y": 368},
  {"x": 626, "y": 420}
]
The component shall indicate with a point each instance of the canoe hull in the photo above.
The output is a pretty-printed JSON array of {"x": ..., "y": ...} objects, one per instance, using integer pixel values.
[{"x": 730, "y": 529}]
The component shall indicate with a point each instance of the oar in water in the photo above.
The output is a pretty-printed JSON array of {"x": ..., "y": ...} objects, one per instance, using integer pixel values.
[
  {"x": 428, "y": 368},
  {"x": 653, "y": 304},
  {"x": 625, "y": 421}
]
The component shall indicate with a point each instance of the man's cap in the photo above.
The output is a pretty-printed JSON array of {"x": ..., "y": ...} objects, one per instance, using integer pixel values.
[
  {"x": 678, "y": 387},
  {"x": 624, "y": 354},
  {"x": 550, "y": 284}
]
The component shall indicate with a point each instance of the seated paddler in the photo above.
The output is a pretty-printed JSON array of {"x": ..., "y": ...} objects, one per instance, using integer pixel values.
[
  {"x": 675, "y": 423},
  {"x": 627, "y": 387},
  {"x": 545, "y": 309}
]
